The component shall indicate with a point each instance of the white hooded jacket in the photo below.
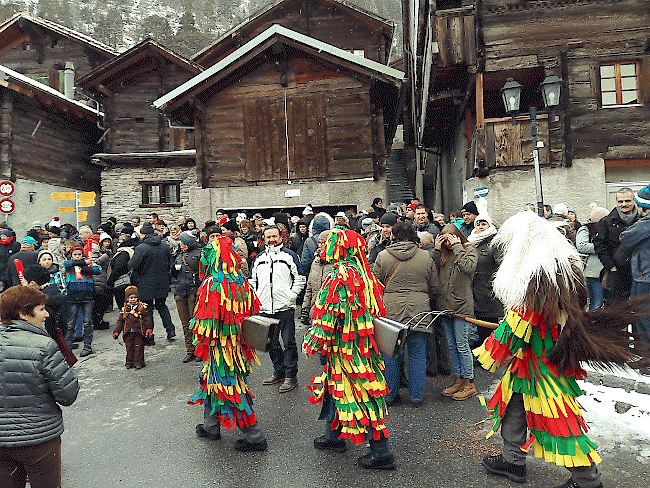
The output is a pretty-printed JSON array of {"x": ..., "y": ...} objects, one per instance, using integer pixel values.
[{"x": 274, "y": 275}]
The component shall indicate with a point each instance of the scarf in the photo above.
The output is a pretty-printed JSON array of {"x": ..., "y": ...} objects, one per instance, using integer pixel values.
[
  {"x": 627, "y": 218},
  {"x": 477, "y": 237}
]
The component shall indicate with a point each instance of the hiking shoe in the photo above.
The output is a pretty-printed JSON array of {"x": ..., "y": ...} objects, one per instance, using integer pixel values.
[
  {"x": 188, "y": 357},
  {"x": 242, "y": 445},
  {"x": 336, "y": 445},
  {"x": 201, "y": 432},
  {"x": 467, "y": 390},
  {"x": 371, "y": 461},
  {"x": 450, "y": 390},
  {"x": 288, "y": 385},
  {"x": 497, "y": 465},
  {"x": 87, "y": 351},
  {"x": 273, "y": 380}
]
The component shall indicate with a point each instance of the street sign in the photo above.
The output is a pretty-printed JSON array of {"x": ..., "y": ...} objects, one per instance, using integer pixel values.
[
  {"x": 481, "y": 192},
  {"x": 82, "y": 216},
  {"x": 7, "y": 206},
  {"x": 87, "y": 198},
  {"x": 62, "y": 195},
  {"x": 6, "y": 188},
  {"x": 66, "y": 209}
]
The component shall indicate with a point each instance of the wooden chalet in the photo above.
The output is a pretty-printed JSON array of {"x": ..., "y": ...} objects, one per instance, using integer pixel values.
[
  {"x": 289, "y": 120},
  {"x": 46, "y": 144},
  {"x": 49, "y": 52},
  {"x": 149, "y": 161},
  {"x": 336, "y": 22},
  {"x": 598, "y": 139}
]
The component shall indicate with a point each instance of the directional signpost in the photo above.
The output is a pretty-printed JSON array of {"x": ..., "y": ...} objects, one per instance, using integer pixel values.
[{"x": 81, "y": 199}]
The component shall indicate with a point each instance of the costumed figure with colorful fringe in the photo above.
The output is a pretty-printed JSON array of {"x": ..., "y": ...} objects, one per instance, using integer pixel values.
[
  {"x": 542, "y": 340},
  {"x": 352, "y": 386},
  {"x": 223, "y": 300}
]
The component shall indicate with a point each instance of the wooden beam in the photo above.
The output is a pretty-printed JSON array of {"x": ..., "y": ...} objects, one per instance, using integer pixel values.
[
  {"x": 480, "y": 114},
  {"x": 6, "y": 127},
  {"x": 103, "y": 90},
  {"x": 427, "y": 80},
  {"x": 468, "y": 96}
]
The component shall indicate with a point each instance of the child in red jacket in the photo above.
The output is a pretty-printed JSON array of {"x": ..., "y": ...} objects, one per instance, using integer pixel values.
[{"x": 135, "y": 324}]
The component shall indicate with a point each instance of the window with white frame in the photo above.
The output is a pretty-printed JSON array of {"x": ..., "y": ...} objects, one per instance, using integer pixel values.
[
  {"x": 619, "y": 84},
  {"x": 161, "y": 193}
]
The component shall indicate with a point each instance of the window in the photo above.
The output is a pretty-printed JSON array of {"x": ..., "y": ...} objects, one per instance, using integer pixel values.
[
  {"x": 161, "y": 193},
  {"x": 619, "y": 84}
]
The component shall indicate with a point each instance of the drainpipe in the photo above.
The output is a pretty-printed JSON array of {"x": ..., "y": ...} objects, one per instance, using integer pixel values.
[{"x": 68, "y": 80}]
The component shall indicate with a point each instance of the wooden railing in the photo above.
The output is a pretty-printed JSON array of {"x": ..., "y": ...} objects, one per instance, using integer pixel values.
[{"x": 456, "y": 36}]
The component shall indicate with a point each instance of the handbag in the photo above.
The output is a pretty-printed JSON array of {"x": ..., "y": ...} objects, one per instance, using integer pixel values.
[{"x": 256, "y": 330}]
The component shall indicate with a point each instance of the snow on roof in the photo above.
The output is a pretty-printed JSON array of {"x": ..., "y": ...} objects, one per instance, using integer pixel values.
[
  {"x": 6, "y": 73},
  {"x": 53, "y": 26},
  {"x": 278, "y": 30}
]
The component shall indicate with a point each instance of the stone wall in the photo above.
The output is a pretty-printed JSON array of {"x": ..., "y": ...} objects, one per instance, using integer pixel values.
[
  {"x": 204, "y": 202},
  {"x": 122, "y": 193},
  {"x": 576, "y": 186}
]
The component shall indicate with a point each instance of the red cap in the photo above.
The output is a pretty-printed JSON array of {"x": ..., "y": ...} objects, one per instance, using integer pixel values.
[{"x": 412, "y": 206}]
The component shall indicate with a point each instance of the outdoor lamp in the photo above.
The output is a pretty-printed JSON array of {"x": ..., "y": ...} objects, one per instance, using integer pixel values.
[
  {"x": 551, "y": 91},
  {"x": 511, "y": 93}
]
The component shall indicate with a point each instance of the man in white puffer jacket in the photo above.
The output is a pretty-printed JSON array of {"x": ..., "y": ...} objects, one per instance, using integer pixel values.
[{"x": 277, "y": 282}]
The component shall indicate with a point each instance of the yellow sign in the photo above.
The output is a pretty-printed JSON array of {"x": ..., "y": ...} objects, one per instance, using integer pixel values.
[
  {"x": 83, "y": 215},
  {"x": 87, "y": 198},
  {"x": 66, "y": 209},
  {"x": 63, "y": 195}
]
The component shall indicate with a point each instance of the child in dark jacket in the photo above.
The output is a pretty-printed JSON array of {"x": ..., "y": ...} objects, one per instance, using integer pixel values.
[
  {"x": 134, "y": 322},
  {"x": 81, "y": 291}
]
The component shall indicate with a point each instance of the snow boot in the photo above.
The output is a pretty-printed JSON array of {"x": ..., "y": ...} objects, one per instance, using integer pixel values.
[
  {"x": 466, "y": 390},
  {"x": 449, "y": 391}
]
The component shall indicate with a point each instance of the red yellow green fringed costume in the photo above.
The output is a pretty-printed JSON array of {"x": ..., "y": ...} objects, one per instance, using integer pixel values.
[
  {"x": 223, "y": 300},
  {"x": 343, "y": 332},
  {"x": 554, "y": 417}
]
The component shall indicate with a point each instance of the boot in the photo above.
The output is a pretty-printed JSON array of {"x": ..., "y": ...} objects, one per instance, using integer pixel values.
[
  {"x": 449, "y": 391},
  {"x": 467, "y": 390}
]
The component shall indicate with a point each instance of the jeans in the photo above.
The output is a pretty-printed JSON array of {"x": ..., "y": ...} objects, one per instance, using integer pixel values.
[
  {"x": 380, "y": 448},
  {"x": 643, "y": 327},
  {"x": 416, "y": 343},
  {"x": 461, "y": 360},
  {"x": 285, "y": 363},
  {"x": 41, "y": 462},
  {"x": 87, "y": 311},
  {"x": 437, "y": 350},
  {"x": 514, "y": 427},
  {"x": 595, "y": 290},
  {"x": 160, "y": 305},
  {"x": 185, "y": 308}
]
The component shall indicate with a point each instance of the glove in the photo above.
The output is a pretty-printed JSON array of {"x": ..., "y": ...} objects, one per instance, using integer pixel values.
[
  {"x": 148, "y": 333},
  {"x": 116, "y": 335}
]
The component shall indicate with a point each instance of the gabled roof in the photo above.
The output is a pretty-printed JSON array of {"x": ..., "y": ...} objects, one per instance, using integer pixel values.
[
  {"x": 34, "y": 89},
  {"x": 11, "y": 26},
  {"x": 263, "y": 41},
  {"x": 132, "y": 56},
  {"x": 278, "y": 4}
]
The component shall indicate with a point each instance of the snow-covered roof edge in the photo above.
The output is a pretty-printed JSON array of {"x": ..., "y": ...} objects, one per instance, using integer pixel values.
[
  {"x": 36, "y": 85},
  {"x": 276, "y": 29}
]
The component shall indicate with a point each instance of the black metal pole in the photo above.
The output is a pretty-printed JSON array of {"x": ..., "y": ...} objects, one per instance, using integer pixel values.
[{"x": 538, "y": 173}]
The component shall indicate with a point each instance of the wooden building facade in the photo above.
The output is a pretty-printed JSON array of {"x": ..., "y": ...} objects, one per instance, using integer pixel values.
[
  {"x": 149, "y": 162},
  {"x": 335, "y": 22},
  {"x": 598, "y": 136},
  {"x": 41, "y": 49},
  {"x": 289, "y": 112},
  {"x": 46, "y": 144}
]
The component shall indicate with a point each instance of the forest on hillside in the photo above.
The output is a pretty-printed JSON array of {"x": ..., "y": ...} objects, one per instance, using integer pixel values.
[{"x": 182, "y": 25}]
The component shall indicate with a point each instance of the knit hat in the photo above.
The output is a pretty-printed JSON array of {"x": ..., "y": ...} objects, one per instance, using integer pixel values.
[
  {"x": 37, "y": 223},
  {"x": 484, "y": 217},
  {"x": 55, "y": 222},
  {"x": 389, "y": 218},
  {"x": 103, "y": 236},
  {"x": 470, "y": 207},
  {"x": 365, "y": 223},
  {"x": 186, "y": 238},
  {"x": 44, "y": 251},
  {"x": 130, "y": 290},
  {"x": 55, "y": 230},
  {"x": 75, "y": 247},
  {"x": 597, "y": 213},
  {"x": 341, "y": 214},
  {"x": 308, "y": 210},
  {"x": 146, "y": 229},
  {"x": 412, "y": 206},
  {"x": 28, "y": 240},
  {"x": 6, "y": 233},
  {"x": 33, "y": 233},
  {"x": 642, "y": 197},
  {"x": 560, "y": 209}
]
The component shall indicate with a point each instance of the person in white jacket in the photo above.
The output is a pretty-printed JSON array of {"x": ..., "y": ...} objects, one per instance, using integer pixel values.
[{"x": 277, "y": 282}]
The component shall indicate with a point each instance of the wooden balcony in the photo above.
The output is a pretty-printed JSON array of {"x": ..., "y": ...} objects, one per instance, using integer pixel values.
[
  {"x": 181, "y": 139},
  {"x": 501, "y": 144},
  {"x": 456, "y": 36}
]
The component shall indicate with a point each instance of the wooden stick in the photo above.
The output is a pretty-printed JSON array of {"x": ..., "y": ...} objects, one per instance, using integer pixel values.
[{"x": 482, "y": 323}]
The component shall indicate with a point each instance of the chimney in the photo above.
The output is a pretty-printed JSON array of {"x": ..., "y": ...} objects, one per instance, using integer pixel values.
[{"x": 68, "y": 80}]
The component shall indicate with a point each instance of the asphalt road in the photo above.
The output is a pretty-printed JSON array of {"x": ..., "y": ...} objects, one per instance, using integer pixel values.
[{"x": 132, "y": 428}]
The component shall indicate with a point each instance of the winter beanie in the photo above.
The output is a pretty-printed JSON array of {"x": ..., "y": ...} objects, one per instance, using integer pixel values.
[
  {"x": 469, "y": 207},
  {"x": 642, "y": 197},
  {"x": 130, "y": 290}
]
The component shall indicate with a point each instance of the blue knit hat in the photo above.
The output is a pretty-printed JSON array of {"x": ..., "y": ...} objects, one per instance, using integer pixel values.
[{"x": 642, "y": 197}]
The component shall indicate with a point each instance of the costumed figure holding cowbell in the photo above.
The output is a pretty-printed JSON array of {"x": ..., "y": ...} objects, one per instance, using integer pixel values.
[
  {"x": 223, "y": 300},
  {"x": 544, "y": 337},
  {"x": 352, "y": 386}
]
